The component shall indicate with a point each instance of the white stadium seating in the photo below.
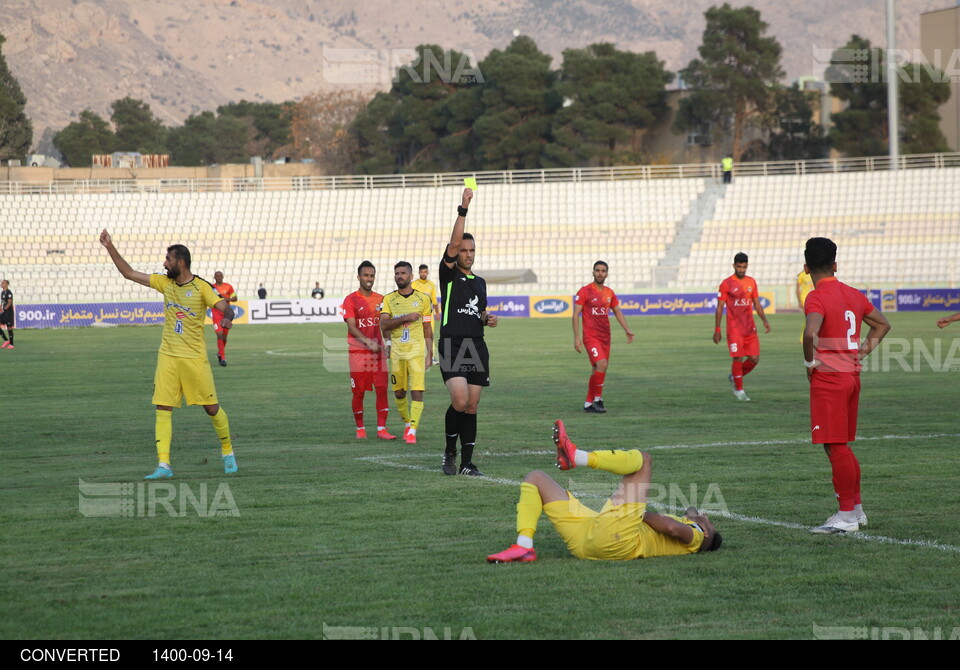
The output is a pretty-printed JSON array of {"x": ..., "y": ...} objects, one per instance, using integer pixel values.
[{"x": 893, "y": 229}]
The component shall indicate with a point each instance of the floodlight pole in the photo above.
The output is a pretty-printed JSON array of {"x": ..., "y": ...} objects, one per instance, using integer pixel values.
[{"x": 893, "y": 97}]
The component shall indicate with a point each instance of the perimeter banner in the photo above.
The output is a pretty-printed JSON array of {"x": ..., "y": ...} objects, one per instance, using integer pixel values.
[
  {"x": 654, "y": 304},
  {"x": 928, "y": 299},
  {"x": 306, "y": 310},
  {"x": 89, "y": 314}
]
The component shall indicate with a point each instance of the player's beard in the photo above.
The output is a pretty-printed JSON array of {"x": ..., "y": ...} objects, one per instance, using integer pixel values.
[{"x": 173, "y": 273}]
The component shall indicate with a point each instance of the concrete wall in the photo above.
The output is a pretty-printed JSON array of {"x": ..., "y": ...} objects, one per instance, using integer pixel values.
[{"x": 940, "y": 31}]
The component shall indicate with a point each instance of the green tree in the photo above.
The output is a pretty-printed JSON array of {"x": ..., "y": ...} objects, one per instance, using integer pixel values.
[
  {"x": 519, "y": 100},
  {"x": 16, "y": 131},
  {"x": 609, "y": 96},
  {"x": 422, "y": 124},
  {"x": 862, "y": 129},
  {"x": 268, "y": 122},
  {"x": 137, "y": 128},
  {"x": 733, "y": 80},
  {"x": 80, "y": 140},
  {"x": 206, "y": 139},
  {"x": 792, "y": 134}
]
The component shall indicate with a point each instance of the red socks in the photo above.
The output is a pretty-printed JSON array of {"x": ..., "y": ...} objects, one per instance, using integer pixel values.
[
  {"x": 846, "y": 475},
  {"x": 383, "y": 405},
  {"x": 221, "y": 344},
  {"x": 736, "y": 369},
  {"x": 358, "y": 409},
  {"x": 748, "y": 365},
  {"x": 595, "y": 388}
]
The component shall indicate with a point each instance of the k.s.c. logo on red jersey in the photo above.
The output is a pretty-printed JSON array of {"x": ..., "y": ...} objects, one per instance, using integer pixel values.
[{"x": 366, "y": 323}]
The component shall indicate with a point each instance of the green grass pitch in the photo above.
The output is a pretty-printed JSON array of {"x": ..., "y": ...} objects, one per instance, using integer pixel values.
[{"x": 333, "y": 532}]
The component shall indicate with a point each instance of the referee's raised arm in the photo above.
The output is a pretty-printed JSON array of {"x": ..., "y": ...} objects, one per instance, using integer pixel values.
[{"x": 456, "y": 237}]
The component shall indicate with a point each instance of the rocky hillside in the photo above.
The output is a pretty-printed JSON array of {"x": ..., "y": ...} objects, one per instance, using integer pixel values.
[{"x": 185, "y": 56}]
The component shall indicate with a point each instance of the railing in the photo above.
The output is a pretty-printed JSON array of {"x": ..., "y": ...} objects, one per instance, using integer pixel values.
[{"x": 564, "y": 175}]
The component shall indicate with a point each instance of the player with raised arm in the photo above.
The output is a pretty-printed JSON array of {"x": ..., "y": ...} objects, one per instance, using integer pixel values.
[
  {"x": 230, "y": 295},
  {"x": 832, "y": 352},
  {"x": 594, "y": 303},
  {"x": 182, "y": 366},
  {"x": 406, "y": 321},
  {"x": 623, "y": 530},
  {"x": 464, "y": 359},
  {"x": 740, "y": 295},
  {"x": 368, "y": 363}
]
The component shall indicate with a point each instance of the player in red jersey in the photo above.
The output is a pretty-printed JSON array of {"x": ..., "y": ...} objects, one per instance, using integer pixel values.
[
  {"x": 740, "y": 295},
  {"x": 368, "y": 363},
  {"x": 595, "y": 302},
  {"x": 230, "y": 295},
  {"x": 832, "y": 352}
]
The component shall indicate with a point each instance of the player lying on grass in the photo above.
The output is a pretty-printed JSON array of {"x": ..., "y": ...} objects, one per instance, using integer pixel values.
[{"x": 622, "y": 530}]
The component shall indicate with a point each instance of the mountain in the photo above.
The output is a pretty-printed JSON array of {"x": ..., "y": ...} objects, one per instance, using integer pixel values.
[{"x": 187, "y": 56}]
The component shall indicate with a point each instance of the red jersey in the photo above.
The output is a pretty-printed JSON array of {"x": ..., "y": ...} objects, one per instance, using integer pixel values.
[
  {"x": 597, "y": 306},
  {"x": 843, "y": 308},
  {"x": 367, "y": 313},
  {"x": 228, "y": 294},
  {"x": 738, "y": 294}
]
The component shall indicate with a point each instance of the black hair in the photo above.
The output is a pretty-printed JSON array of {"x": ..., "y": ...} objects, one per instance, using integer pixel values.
[
  {"x": 423, "y": 266},
  {"x": 181, "y": 253},
  {"x": 603, "y": 263},
  {"x": 717, "y": 541},
  {"x": 468, "y": 236},
  {"x": 741, "y": 258},
  {"x": 365, "y": 264},
  {"x": 820, "y": 254},
  {"x": 404, "y": 264}
]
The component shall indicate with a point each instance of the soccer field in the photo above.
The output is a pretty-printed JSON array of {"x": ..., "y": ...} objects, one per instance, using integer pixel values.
[{"x": 319, "y": 531}]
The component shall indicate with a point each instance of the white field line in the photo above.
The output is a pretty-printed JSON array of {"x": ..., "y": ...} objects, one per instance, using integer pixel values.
[{"x": 390, "y": 461}]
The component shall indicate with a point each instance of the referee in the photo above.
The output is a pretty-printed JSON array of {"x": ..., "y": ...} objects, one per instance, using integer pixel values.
[{"x": 464, "y": 361}]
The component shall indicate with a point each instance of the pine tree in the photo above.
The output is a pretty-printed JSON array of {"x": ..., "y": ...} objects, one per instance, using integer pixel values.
[{"x": 16, "y": 131}]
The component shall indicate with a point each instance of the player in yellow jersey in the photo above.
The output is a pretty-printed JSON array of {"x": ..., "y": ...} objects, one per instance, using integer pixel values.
[
  {"x": 182, "y": 365},
  {"x": 804, "y": 286},
  {"x": 622, "y": 530},
  {"x": 427, "y": 287},
  {"x": 406, "y": 320}
]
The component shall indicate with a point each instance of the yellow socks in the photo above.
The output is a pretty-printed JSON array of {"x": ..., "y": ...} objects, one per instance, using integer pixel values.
[
  {"x": 164, "y": 435},
  {"x": 529, "y": 508},
  {"x": 416, "y": 409},
  {"x": 403, "y": 405},
  {"x": 617, "y": 462},
  {"x": 222, "y": 427}
]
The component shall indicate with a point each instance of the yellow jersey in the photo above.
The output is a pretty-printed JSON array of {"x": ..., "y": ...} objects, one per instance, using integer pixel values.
[
  {"x": 185, "y": 308},
  {"x": 426, "y": 287},
  {"x": 805, "y": 284},
  {"x": 407, "y": 341}
]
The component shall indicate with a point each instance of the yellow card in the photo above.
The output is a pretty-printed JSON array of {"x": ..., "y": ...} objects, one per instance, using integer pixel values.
[{"x": 471, "y": 183}]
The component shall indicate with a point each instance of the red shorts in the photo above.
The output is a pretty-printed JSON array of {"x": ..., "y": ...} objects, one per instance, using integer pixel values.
[
  {"x": 368, "y": 370},
  {"x": 217, "y": 317},
  {"x": 743, "y": 345},
  {"x": 596, "y": 350},
  {"x": 834, "y": 401}
]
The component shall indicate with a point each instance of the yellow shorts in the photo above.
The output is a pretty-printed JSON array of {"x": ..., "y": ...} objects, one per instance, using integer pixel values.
[
  {"x": 407, "y": 374},
  {"x": 615, "y": 533},
  {"x": 176, "y": 378}
]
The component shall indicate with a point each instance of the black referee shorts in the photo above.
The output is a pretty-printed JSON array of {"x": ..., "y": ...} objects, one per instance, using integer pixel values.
[{"x": 465, "y": 357}]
